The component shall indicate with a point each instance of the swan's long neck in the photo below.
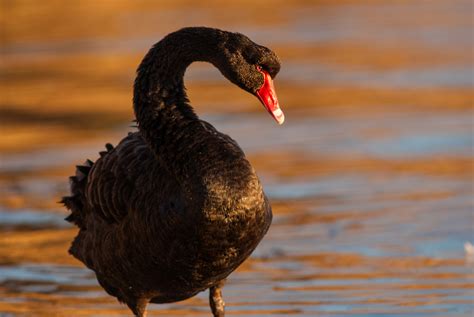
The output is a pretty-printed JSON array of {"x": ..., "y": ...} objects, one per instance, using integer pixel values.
[
  {"x": 160, "y": 101},
  {"x": 165, "y": 119}
]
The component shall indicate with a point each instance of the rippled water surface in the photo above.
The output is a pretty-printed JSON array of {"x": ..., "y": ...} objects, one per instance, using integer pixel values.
[{"x": 370, "y": 177}]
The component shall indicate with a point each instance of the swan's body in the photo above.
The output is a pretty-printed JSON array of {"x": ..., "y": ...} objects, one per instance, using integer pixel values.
[{"x": 173, "y": 209}]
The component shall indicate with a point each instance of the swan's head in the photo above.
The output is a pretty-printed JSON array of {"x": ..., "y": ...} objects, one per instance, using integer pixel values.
[{"x": 252, "y": 67}]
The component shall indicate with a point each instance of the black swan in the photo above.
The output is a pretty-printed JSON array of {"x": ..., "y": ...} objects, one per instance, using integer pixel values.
[{"x": 174, "y": 208}]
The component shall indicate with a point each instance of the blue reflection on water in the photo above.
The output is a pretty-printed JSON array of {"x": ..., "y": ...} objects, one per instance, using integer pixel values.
[{"x": 31, "y": 219}]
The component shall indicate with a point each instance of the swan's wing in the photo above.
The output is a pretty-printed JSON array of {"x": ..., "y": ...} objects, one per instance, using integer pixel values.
[
  {"x": 124, "y": 181},
  {"x": 128, "y": 179}
]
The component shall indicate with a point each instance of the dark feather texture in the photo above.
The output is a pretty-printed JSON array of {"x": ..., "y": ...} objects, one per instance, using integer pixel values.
[{"x": 173, "y": 209}]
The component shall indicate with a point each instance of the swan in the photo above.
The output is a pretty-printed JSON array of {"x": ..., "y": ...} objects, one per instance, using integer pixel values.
[{"x": 175, "y": 207}]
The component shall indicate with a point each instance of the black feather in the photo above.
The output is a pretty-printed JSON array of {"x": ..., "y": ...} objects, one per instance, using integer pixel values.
[{"x": 174, "y": 208}]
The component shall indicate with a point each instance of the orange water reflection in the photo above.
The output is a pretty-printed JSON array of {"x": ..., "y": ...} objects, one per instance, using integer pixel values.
[{"x": 370, "y": 176}]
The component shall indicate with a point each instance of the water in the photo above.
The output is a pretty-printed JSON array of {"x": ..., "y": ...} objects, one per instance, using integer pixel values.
[{"x": 370, "y": 177}]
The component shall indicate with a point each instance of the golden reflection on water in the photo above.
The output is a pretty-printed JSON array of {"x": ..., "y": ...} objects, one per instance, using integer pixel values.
[{"x": 370, "y": 176}]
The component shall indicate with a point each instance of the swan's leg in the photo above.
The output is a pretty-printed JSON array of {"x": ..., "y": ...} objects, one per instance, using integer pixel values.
[
  {"x": 215, "y": 299},
  {"x": 138, "y": 307}
]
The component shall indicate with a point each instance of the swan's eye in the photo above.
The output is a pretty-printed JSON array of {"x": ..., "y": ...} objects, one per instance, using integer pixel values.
[{"x": 265, "y": 70}]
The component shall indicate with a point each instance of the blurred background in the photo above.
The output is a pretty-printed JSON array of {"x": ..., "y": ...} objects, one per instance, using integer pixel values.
[{"x": 371, "y": 176}]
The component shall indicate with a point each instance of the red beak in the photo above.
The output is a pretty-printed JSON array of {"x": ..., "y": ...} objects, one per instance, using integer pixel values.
[{"x": 268, "y": 97}]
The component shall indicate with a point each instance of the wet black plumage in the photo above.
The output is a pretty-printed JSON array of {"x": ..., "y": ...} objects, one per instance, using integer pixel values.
[{"x": 174, "y": 208}]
